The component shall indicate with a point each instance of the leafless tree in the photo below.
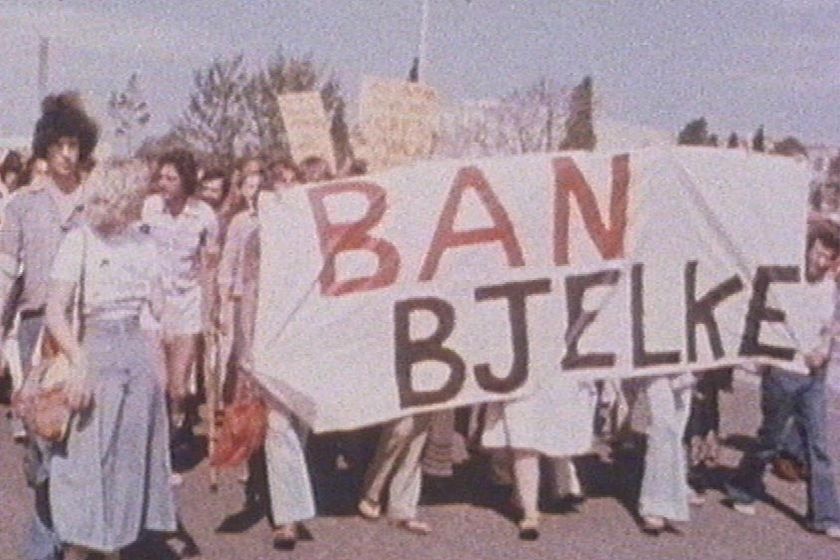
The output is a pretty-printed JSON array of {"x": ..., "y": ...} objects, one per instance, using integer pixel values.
[
  {"x": 529, "y": 119},
  {"x": 129, "y": 111}
]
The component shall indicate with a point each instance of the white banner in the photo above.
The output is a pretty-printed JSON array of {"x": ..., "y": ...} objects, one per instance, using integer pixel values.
[{"x": 455, "y": 282}]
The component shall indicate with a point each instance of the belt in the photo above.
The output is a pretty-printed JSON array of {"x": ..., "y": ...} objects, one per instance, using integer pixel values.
[
  {"x": 123, "y": 325},
  {"x": 32, "y": 313}
]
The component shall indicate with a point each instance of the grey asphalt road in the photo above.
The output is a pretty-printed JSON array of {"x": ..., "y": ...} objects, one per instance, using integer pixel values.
[{"x": 469, "y": 521}]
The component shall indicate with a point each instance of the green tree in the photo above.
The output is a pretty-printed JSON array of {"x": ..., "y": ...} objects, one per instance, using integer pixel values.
[
  {"x": 789, "y": 146},
  {"x": 580, "y": 132},
  {"x": 233, "y": 112},
  {"x": 733, "y": 141},
  {"x": 695, "y": 133},
  {"x": 758, "y": 140},
  {"x": 215, "y": 121}
]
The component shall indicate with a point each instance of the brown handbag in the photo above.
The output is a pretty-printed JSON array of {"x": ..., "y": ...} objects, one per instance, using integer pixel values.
[
  {"x": 44, "y": 412},
  {"x": 41, "y": 403},
  {"x": 243, "y": 430}
]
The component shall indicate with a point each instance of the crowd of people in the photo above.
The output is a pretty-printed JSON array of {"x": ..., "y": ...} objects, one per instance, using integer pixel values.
[{"x": 161, "y": 265}]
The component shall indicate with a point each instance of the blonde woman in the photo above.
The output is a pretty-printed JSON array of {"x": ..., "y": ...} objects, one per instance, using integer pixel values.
[{"x": 111, "y": 479}]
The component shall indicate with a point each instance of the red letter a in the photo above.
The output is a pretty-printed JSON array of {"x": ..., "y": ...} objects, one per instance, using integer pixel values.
[{"x": 445, "y": 237}]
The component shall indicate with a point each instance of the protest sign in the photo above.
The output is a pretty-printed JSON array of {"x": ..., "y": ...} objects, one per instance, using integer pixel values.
[
  {"x": 399, "y": 122},
  {"x": 449, "y": 283},
  {"x": 306, "y": 126}
]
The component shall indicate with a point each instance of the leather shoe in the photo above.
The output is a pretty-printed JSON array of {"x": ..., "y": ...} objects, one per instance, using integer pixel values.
[
  {"x": 529, "y": 529},
  {"x": 284, "y": 537}
]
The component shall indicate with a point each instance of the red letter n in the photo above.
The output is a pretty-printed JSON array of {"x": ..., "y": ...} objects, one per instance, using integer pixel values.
[
  {"x": 445, "y": 237},
  {"x": 353, "y": 236},
  {"x": 568, "y": 179}
]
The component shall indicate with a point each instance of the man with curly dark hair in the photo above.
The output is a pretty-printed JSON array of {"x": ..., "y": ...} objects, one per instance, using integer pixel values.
[{"x": 34, "y": 225}]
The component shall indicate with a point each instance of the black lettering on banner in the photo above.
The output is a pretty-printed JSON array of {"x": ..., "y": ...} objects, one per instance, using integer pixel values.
[
  {"x": 759, "y": 312},
  {"x": 515, "y": 293},
  {"x": 580, "y": 319},
  {"x": 408, "y": 352},
  {"x": 701, "y": 311},
  {"x": 641, "y": 357}
]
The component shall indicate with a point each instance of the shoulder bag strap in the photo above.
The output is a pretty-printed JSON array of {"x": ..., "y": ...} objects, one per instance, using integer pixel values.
[{"x": 80, "y": 290}]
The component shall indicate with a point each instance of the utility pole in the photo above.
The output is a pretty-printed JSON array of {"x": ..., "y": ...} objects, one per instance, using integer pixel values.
[{"x": 43, "y": 65}]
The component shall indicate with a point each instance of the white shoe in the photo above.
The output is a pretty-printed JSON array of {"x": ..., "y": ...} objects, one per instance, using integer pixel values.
[
  {"x": 833, "y": 532},
  {"x": 745, "y": 509},
  {"x": 18, "y": 431}
]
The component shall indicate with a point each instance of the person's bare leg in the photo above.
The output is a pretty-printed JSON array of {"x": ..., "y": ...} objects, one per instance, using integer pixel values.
[{"x": 180, "y": 356}]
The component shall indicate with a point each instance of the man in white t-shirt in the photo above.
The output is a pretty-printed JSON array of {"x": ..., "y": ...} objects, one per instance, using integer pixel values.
[{"x": 186, "y": 232}]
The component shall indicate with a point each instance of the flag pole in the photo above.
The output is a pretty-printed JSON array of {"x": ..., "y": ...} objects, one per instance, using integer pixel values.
[{"x": 424, "y": 31}]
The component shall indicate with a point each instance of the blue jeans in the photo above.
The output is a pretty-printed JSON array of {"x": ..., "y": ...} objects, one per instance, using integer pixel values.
[
  {"x": 43, "y": 543},
  {"x": 785, "y": 395}
]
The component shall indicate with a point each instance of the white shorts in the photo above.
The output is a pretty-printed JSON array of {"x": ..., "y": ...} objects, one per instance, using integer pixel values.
[{"x": 181, "y": 314}]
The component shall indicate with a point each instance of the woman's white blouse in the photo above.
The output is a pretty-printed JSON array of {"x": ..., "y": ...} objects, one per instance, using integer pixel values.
[{"x": 119, "y": 270}]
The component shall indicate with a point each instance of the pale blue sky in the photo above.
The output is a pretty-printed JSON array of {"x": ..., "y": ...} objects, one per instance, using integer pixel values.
[{"x": 658, "y": 63}]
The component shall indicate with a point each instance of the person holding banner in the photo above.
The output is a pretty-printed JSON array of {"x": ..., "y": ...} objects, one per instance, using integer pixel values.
[
  {"x": 290, "y": 488},
  {"x": 283, "y": 174},
  {"x": 665, "y": 493},
  {"x": 554, "y": 421},
  {"x": 315, "y": 169},
  {"x": 397, "y": 464},
  {"x": 787, "y": 394}
]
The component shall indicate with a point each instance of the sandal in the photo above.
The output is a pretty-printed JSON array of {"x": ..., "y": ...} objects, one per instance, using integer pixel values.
[
  {"x": 653, "y": 525},
  {"x": 414, "y": 526},
  {"x": 369, "y": 509}
]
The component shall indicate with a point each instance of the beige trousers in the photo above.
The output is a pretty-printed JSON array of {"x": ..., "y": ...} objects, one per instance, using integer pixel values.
[{"x": 397, "y": 460}]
